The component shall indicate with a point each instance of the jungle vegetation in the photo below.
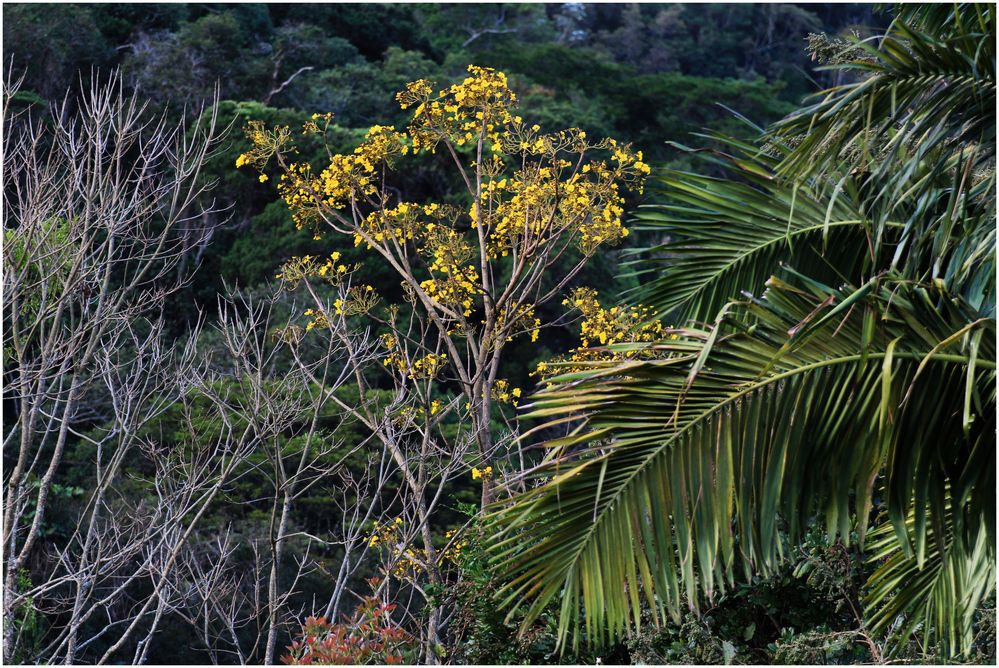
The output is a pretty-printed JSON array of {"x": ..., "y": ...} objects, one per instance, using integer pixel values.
[{"x": 499, "y": 333}]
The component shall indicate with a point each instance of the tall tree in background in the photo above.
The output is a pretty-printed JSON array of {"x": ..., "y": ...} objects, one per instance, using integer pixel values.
[{"x": 861, "y": 384}]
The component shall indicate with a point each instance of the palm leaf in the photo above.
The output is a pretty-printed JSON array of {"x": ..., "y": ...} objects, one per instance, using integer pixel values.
[
  {"x": 937, "y": 594},
  {"x": 725, "y": 235},
  {"x": 701, "y": 477},
  {"x": 929, "y": 87},
  {"x": 680, "y": 474}
]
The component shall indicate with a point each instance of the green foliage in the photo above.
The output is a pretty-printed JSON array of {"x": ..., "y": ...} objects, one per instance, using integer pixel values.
[
  {"x": 481, "y": 633},
  {"x": 370, "y": 27},
  {"x": 29, "y": 625},
  {"x": 671, "y": 107},
  {"x": 119, "y": 21},
  {"x": 452, "y": 27},
  {"x": 268, "y": 239},
  {"x": 53, "y": 46},
  {"x": 210, "y": 49},
  {"x": 805, "y": 612},
  {"x": 49, "y": 256},
  {"x": 59, "y": 522},
  {"x": 561, "y": 59},
  {"x": 359, "y": 93},
  {"x": 650, "y": 109}
]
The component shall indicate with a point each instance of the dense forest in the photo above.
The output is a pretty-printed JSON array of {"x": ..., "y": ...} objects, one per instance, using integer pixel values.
[
  {"x": 647, "y": 74},
  {"x": 499, "y": 333}
]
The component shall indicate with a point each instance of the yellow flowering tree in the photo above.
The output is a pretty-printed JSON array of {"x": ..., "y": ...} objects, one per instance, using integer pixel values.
[{"x": 474, "y": 273}]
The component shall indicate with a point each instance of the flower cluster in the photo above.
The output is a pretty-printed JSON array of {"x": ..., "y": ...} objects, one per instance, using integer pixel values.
[
  {"x": 312, "y": 266},
  {"x": 479, "y": 105},
  {"x": 613, "y": 325},
  {"x": 455, "y": 282},
  {"x": 534, "y": 193},
  {"x": 558, "y": 194},
  {"x": 601, "y": 327},
  {"x": 534, "y": 200},
  {"x": 503, "y": 393},
  {"x": 482, "y": 474},
  {"x": 521, "y": 321},
  {"x": 400, "y": 223},
  {"x": 319, "y": 319},
  {"x": 264, "y": 144},
  {"x": 385, "y": 533},
  {"x": 311, "y": 127},
  {"x": 453, "y": 550},
  {"x": 396, "y": 358},
  {"x": 348, "y": 179},
  {"x": 425, "y": 367},
  {"x": 428, "y": 366},
  {"x": 403, "y": 560},
  {"x": 360, "y": 299}
]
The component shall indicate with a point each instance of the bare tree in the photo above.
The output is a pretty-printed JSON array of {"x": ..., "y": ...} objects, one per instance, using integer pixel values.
[
  {"x": 407, "y": 421},
  {"x": 261, "y": 379},
  {"x": 286, "y": 409},
  {"x": 97, "y": 200},
  {"x": 102, "y": 207}
]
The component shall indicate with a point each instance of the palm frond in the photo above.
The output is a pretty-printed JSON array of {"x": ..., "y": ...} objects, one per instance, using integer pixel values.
[
  {"x": 725, "y": 235},
  {"x": 934, "y": 596},
  {"x": 681, "y": 473},
  {"x": 928, "y": 86},
  {"x": 943, "y": 18},
  {"x": 684, "y": 470},
  {"x": 917, "y": 135}
]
